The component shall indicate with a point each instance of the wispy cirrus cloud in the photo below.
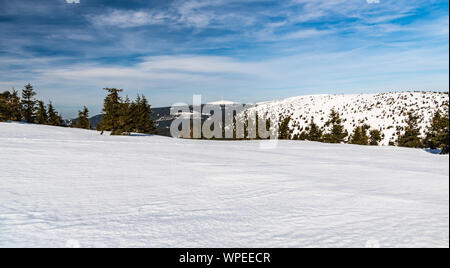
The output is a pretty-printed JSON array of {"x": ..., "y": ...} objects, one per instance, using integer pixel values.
[{"x": 129, "y": 18}]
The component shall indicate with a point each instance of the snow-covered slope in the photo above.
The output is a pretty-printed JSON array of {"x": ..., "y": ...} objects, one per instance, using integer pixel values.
[
  {"x": 384, "y": 111},
  {"x": 68, "y": 187}
]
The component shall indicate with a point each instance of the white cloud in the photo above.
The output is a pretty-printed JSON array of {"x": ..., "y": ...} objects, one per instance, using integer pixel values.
[
  {"x": 373, "y": 1},
  {"x": 126, "y": 19},
  {"x": 351, "y": 70},
  {"x": 305, "y": 34},
  {"x": 73, "y": 1}
]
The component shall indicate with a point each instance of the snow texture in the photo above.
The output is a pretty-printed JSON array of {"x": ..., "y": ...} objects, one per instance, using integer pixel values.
[{"x": 63, "y": 187}]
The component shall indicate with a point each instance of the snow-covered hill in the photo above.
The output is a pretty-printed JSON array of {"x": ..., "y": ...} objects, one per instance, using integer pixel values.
[
  {"x": 70, "y": 187},
  {"x": 384, "y": 111}
]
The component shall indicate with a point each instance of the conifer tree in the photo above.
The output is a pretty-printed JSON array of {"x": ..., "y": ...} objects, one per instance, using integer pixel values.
[
  {"x": 126, "y": 117},
  {"x": 112, "y": 109},
  {"x": 4, "y": 102},
  {"x": 314, "y": 133},
  {"x": 438, "y": 133},
  {"x": 41, "y": 114},
  {"x": 28, "y": 103},
  {"x": 359, "y": 135},
  {"x": 143, "y": 120},
  {"x": 411, "y": 136},
  {"x": 15, "y": 107},
  {"x": 356, "y": 136},
  {"x": 10, "y": 106},
  {"x": 268, "y": 126},
  {"x": 303, "y": 136},
  {"x": 284, "y": 132},
  {"x": 375, "y": 137},
  {"x": 337, "y": 133},
  {"x": 54, "y": 119},
  {"x": 83, "y": 119}
]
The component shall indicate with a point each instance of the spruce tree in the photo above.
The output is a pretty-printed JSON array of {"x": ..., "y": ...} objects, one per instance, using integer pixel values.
[
  {"x": 411, "y": 136},
  {"x": 126, "y": 117},
  {"x": 112, "y": 108},
  {"x": 83, "y": 119},
  {"x": 10, "y": 106},
  {"x": 303, "y": 136},
  {"x": 375, "y": 137},
  {"x": 4, "y": 102},
  {"x": 143, "y": 121},
  {"x": 268, "y": 126},
  {"x": 359, "y": 136},
  {"x": 438, "y": 133},
  {"x": 54, "y": 119},
  {"x": 28, "y": 103},
  {"x": 284, "y": 132},
  {"x": 314, "y": 133},
  {"x": 337, "y": 133},
  {"x": 15, "y": 107},
  {"x": 41, "y": 114}
]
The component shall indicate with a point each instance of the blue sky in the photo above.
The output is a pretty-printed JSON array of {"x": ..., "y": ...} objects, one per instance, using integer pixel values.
[{"x": 246, "y": 50}]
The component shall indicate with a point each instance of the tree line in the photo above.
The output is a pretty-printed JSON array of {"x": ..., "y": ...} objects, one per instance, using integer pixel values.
[
  {"x": 123, "y": 117},
  {"x": 27, "y": 108},
  {"x": 436, "y": 136},
  {"x": 120, "y": 116},
  {"x": 333, "y": 131}
]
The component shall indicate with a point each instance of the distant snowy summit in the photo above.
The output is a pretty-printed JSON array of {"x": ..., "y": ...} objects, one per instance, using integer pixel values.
[
  {"x": 222, "y": 102},
  {"x": 386, "y": 112}
]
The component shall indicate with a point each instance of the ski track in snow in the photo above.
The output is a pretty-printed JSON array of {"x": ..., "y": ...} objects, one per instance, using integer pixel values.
[{"x": 62, "y": 187}]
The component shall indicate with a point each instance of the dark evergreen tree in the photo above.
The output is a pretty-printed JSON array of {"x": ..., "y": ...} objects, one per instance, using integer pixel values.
[
  {"x": 303, "y": 136},
  {"x": 41, "y": 114},
  {"x": 112, "y": 109},
  {"x": 411, "y": 136},
  {"x": 15, "y": 107},
  {"x": 359, "y": 135},
  {"x": 143, "y": 121},
  {"x": 28, "y": 103},
  {"x": 438, "y": 133},
  {"x": 10, "y": 106},
  {"x": 284, "y": 132},
  {"x": 54, "y": 119},
  {"x": 4, "y": 104},
  {"x": 314, "y": 132},
  {"x": 83, "y": 119},
  {"x": 127, "y": 117},
  {"x": 337, "y": 133},
  {"x": 268, "y": 126},
  {"x": 375, "y": 137}
]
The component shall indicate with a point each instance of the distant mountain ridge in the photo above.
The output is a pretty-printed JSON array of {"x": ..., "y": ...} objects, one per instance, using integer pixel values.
[{"x": 161, "y": 115}]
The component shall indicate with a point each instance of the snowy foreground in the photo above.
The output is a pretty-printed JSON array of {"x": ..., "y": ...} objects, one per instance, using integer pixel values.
[{"x": 67, "y": 187}]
